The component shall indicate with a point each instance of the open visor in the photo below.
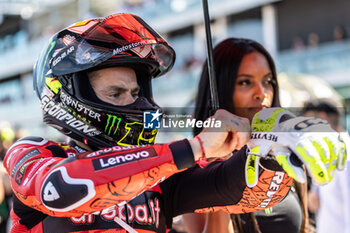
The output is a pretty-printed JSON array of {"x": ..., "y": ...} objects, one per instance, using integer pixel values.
[{"x": 85, "y": 44}]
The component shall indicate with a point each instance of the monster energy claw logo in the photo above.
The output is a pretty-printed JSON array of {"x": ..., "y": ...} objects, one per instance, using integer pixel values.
[{"x": 110, "y": 126}]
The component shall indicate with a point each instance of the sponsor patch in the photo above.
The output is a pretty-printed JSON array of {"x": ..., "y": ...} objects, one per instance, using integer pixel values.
[
  {"x": 108, "y": 150},
  {"x": 22, "y": 170},
  {"x": 122, "y": 158},
  {"x": 273, "y": 188},
  {"x": 266, "y": 136},
  {"x": 27, "y": 156}
]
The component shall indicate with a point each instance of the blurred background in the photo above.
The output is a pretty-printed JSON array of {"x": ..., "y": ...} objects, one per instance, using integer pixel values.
[{"x": 307, "y": 38}]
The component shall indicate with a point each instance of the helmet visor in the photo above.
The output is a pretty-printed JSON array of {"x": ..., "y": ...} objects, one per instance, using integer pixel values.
[
  {"x": 111, "y": 36},
  {"x": 85, "y": 44}
]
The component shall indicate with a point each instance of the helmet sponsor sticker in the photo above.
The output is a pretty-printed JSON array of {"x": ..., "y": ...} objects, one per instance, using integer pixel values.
[
  {"x": 69, "y": 101},
  {"x": 129, "y": 46},
  {"x": 62, "y": 56},
  {"x": 112, "y": 124},
  {"x": 142, "y": 51},
  {"x": 122, "y": 158},
  {"x": 54, "y": 110}
]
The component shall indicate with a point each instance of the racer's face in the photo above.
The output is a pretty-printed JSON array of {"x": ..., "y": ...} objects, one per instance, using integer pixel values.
[
  {"x": 115, "y": 85},
  {"x": 253, "y": 89}
]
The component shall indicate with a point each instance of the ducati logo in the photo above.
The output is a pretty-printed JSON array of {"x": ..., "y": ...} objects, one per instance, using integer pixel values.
[{"x": 50, "y": 193}]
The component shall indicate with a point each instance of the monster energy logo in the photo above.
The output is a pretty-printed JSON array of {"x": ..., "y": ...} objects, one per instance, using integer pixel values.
[
  {"x": 56, "y": 111},
  {"x": 110, "y": 124}
]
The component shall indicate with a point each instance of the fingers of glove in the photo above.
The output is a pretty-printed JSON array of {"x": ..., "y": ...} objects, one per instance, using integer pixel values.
[
  {"x": 267, "y": 119},
  {"x": 263, "y": 145},
  {"x": 309, "y": 155},
  {"x": 252, "y": 168},
  {"x": 294, "y": 171},
  {"x": 323, "y": 148},
  {"x": 334, "y": 146},
  {"x": 290, "y": 163},
  {"x": 342, "y": 157},
  {"x": 344, "y": 150}
]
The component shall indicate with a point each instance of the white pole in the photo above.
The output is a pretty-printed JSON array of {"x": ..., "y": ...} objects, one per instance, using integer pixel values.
[{"x": 269, "y": 21}]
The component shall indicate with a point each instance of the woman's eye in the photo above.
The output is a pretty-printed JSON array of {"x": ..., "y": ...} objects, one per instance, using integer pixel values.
[
  {"x": 244, "y": 82},
  {"x": 270, "y": 81}
]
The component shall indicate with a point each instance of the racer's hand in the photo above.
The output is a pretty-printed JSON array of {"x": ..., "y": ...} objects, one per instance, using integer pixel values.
[
  {"x": 233, "y": 134},
  {"x": 290, "y": 139}
]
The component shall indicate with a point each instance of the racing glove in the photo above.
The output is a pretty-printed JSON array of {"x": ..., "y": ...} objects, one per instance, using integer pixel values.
[{"x": 292, "y": 141}]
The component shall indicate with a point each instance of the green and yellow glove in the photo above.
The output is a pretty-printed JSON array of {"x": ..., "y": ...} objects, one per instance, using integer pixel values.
[{"x": 293, "y": 141}]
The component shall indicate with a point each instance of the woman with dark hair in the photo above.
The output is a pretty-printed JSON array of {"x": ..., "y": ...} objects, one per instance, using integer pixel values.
[
  {"x": 247, "y": 82},
  {"x": 228, "y": 56}
]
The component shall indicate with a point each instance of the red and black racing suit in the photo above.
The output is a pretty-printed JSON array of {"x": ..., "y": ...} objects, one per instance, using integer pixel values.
[{"x": 62, "y": 188}]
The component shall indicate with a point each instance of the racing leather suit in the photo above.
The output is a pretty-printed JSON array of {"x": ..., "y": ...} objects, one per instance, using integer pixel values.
[{"x": 63, "y": 188}]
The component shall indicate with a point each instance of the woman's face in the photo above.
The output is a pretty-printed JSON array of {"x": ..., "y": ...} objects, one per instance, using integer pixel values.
[{"x": 253, "y": 89}]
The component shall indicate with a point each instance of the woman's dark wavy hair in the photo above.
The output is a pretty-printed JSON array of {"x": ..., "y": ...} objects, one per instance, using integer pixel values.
[{"x": 228, "y": 56}]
